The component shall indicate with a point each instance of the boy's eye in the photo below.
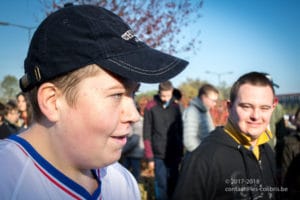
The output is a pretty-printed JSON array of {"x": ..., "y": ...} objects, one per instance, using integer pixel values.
[
  {"x": 245, "y": 106},
  {"x": 117, "y": 95},
  {"x": 265, "y": 108}
]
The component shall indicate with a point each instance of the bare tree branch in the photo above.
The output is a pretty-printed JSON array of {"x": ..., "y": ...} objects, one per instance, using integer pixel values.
[{"x": 161, "y": 24}]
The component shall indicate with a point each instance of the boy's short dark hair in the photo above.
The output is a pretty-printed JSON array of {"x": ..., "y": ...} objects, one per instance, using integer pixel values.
[
  {"x": 177, "y": 94},
  {"x": 167, "y": 85},
  {"x": 253, "y": 78},
  {"x": 10, "y": 106},
  {"x": 204, "y": 89}
]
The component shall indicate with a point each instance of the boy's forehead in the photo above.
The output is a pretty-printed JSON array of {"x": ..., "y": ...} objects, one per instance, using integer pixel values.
[
  {"x": 128, "y": 83},
  {"x": 251, "y": 88},
  {"x": 254, "y": 92},
  {"x": 212, "y": 93},
  {"x": 166, "y": 92},
  {"x": 131, "y": 85}
]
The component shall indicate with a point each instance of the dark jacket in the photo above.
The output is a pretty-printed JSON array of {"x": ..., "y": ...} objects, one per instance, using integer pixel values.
[
  {"x": 4, "y": 131},
  {"x": 8, "y": 129},
  {"x": 292, "y": 180},
  {"x": 291, "y": 165},
  {"x": 163, "y": 131},
  {"x": 220, "y": 168},
  {"x": 290, "y": 150}
]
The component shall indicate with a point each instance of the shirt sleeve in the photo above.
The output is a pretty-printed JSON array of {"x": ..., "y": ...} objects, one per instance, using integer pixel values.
[
  {"x": 191, "y": 128},
  {"x": 118, "y": 183}
]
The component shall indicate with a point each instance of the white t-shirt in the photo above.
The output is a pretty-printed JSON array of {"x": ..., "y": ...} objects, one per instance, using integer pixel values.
[{"x": 25, "y": 174}]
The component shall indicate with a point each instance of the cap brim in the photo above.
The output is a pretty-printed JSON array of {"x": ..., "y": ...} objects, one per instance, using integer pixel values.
[{"x": 144, "y": 65}]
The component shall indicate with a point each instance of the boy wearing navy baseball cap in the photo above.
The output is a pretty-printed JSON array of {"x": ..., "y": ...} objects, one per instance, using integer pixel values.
[{"x": 82, "y": 69}]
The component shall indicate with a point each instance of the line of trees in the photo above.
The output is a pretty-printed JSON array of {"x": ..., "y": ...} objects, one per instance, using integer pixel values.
[{"x": 9, "y": 88}]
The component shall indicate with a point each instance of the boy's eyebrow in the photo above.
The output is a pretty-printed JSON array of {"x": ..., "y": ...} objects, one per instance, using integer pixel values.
[
  {"x": 126, "y": 85},
  {"x": 130, "y": 84},
  {"x": 114, "y": 87},
  {"x": 249, "y": 104}
]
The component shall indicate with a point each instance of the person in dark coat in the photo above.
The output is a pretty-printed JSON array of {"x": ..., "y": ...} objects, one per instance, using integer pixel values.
[
  {"x": 9, "y": 120},
  {"x": 291, "y": 161},
  {"x": 163, "y": 140},
  {"x": 235, "y": 161},
  {"x": 4, "y": 130}
]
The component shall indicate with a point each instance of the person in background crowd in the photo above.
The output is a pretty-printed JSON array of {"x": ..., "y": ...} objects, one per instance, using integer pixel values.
[
  {"x": 290, "y": 122},
  {"x": 235, "y": 161},
  {"x": 279, "y": 130},
  {"x": 197, "y": 120},
  {"x": 11, "y": 117},
  {"x": 291, "y": 160},
  {"x": 163, "y": 140},
  {"x": 4, "y": 131},
  {"x": 177, "y": 95},
  {"x": 24, "y": 110},
  {"x": 277, "y": 123},
  {"x": 82, "y": 69}
]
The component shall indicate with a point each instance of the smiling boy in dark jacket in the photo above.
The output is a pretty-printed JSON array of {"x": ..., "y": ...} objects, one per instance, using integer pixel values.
[{"x": 235, "y": 161}]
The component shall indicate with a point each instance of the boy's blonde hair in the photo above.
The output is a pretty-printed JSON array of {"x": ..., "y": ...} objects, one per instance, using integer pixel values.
[{"x": 68, "y": 86}]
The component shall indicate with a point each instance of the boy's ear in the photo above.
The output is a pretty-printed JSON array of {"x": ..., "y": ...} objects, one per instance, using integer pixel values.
[
  {"x": 276, "y": 101},
  {"x": 48, "y": 97}
]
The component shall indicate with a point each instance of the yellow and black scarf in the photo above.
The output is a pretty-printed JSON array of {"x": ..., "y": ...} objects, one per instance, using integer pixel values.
[{"x": 243, "y": 139}]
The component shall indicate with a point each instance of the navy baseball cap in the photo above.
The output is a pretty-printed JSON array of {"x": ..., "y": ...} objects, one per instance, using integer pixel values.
[{"x": 76, "y": 36}]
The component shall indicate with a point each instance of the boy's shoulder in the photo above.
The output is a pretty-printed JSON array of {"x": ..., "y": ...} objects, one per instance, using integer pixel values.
[{"x": 115, "y": 175}]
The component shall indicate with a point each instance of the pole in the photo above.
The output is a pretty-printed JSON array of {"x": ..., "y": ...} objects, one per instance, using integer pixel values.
[
  {"x": 219, "y": 75},
  {"x": 28, "y": 28}
]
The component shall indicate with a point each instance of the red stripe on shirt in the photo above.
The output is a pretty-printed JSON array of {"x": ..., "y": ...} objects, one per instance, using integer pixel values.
[{"x": 49, "y": 177}]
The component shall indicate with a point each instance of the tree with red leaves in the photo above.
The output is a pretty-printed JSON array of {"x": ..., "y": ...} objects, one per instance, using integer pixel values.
[{"x": 162, "y": 24}]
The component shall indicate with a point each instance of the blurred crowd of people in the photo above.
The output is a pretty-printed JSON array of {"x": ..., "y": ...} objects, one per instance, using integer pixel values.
[
  {"x": 197, "y": 120},
  {"x": 15, "y": 115}
]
